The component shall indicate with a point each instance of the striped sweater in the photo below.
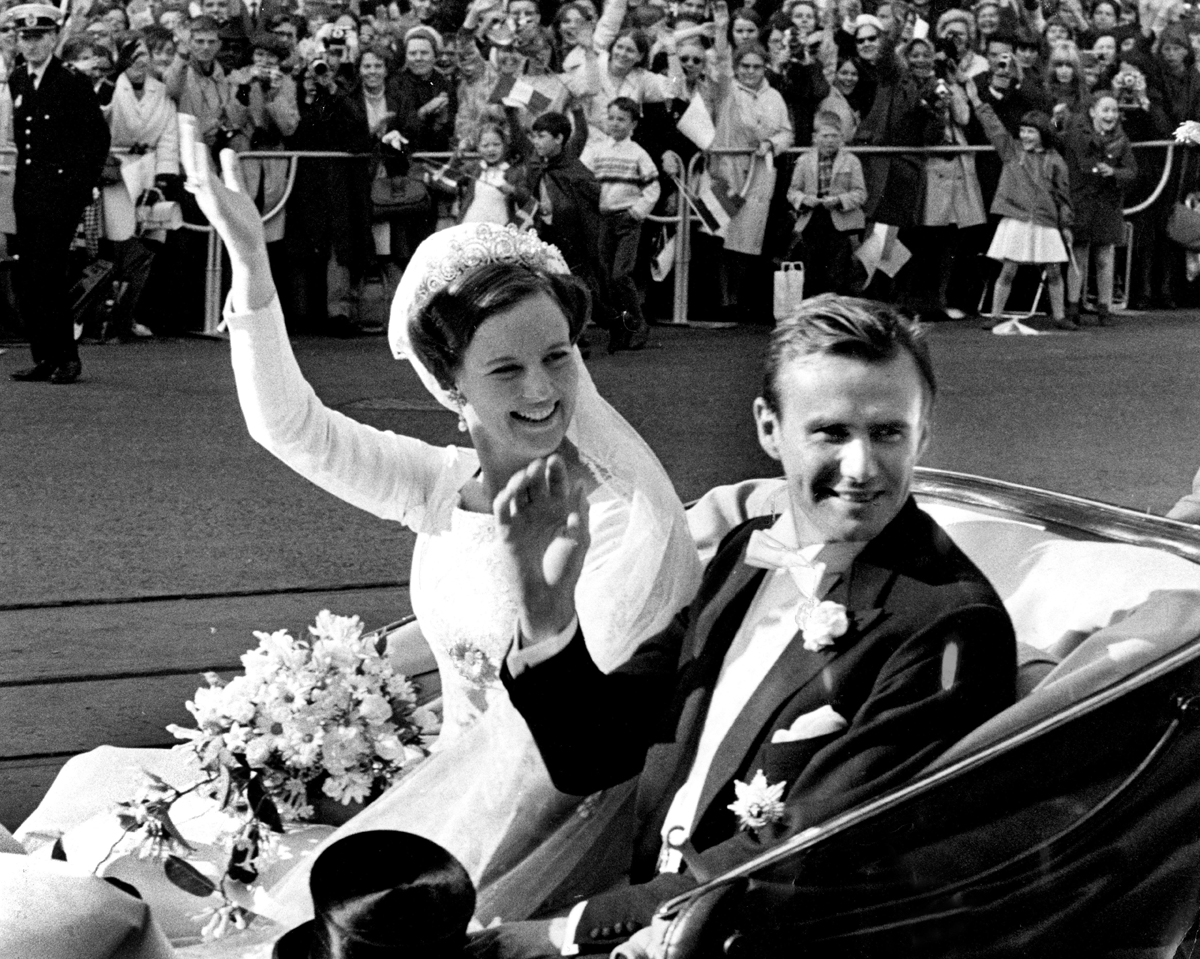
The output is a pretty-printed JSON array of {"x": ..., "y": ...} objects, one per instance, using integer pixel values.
[{"x": 627, "y": 176}]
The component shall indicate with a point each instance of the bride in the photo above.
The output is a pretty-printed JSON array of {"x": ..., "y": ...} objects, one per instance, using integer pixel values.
[{"x": 488, "y": 317}]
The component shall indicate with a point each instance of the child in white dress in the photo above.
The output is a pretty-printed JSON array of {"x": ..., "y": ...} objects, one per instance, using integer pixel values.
[{"x": 1034, "y": 200}]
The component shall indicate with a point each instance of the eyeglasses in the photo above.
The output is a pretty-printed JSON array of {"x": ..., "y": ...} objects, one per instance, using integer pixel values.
[
  {"x": 691, "y": 61},
  {"x": 869, "y": 38}
]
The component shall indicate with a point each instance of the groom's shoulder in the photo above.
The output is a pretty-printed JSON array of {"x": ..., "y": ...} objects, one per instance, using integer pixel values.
[{"x": 924, "y": 555}]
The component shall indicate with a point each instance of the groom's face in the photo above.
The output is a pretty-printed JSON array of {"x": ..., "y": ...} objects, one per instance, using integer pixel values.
[{"x": 848, "y": 433}]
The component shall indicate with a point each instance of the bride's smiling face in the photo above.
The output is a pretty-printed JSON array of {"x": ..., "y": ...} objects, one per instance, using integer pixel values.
[{"x": 518, "y": 382}]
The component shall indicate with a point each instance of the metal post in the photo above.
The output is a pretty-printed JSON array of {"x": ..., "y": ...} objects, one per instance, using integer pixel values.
[
  {"x": 212, "y": 286},
  {"x": 683, "y": 256}
]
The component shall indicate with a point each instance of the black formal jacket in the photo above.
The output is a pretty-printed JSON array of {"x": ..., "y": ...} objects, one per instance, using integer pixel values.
[
  {"x": 929, "y": 655},
  {"x": 62, "y": 139}
]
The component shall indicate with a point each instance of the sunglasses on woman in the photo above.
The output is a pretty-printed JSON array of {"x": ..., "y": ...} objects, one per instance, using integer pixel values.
[{"x": 867, "y": 38}]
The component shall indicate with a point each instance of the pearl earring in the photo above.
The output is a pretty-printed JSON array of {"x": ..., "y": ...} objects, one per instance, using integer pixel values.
[{"x": 456, "y": 398}]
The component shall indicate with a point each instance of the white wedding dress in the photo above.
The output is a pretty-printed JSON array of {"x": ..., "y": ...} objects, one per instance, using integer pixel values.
[{"x": 484, "y": 794}]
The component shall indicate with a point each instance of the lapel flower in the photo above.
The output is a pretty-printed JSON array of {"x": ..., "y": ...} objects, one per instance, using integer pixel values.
[
  {"x": 824, "y": 623},
  {"x": 758, "y": 803}
]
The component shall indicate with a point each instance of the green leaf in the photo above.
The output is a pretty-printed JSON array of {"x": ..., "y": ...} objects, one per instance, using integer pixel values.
[
  {"x": 188, "y": 878},
  {"x": 173, "y": 831}
]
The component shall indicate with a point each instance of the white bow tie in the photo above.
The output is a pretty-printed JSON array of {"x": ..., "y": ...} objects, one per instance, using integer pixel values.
[{"x": 764, "y": 551}]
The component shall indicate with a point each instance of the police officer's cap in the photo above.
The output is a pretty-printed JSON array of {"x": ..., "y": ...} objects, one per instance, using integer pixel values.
[{"x": 33, "y": 17}]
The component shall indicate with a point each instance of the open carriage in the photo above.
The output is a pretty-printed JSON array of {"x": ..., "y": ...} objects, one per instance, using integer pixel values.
[{"x": 1069, "y": 825}]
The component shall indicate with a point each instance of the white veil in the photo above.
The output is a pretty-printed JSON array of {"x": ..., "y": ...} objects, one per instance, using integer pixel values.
[{"x": 617, "y": 456}]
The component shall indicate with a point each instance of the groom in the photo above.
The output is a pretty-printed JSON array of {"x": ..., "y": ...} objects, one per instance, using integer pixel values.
[{"x": 830, "y": 653}]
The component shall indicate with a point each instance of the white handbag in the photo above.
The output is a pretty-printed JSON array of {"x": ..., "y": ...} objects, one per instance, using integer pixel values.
[{"x": 789, "y": 289}]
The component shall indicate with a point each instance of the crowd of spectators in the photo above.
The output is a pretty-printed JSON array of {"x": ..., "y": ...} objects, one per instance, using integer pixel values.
[{"x": 520, "y": 94}]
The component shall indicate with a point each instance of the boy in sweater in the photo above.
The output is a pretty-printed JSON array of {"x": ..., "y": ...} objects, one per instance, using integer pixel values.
[{"x": 629, "y": 189}]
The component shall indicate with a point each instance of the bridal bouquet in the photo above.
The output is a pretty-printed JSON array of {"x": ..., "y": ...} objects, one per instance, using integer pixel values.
[{"x": 326, "y": 715}]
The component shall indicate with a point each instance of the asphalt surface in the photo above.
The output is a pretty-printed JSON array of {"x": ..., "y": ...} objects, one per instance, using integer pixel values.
[{"x": 142, "y": 530}]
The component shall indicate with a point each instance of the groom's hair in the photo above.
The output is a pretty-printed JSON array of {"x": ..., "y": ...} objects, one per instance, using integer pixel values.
[
  {"x": 846, "y": 326},
  {"x": 444, "y": 328}
]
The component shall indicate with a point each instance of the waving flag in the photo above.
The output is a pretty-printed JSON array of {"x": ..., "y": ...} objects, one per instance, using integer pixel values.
[
  {"x": 716, "y": 203},
  {"x": 514, "y": 91}
]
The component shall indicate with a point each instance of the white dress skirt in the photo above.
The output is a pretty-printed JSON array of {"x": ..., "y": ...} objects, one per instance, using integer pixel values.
[{"x": 1024, "y": 242}]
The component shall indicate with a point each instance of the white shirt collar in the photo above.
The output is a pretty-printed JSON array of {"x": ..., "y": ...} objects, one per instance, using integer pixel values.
[
  {"x": 837, "y": 557},
  {"x": 36, "y": 73}
]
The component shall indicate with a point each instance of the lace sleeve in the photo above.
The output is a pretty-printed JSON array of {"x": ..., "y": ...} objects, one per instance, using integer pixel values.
[{"x": 394, "y": 477}]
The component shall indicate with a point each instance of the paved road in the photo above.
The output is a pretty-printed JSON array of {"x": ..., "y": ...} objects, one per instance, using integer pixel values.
[{"x": 136, "y": 496}]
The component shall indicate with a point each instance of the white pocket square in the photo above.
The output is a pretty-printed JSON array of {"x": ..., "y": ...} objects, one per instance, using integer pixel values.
[{"x": 820, "y": 722}]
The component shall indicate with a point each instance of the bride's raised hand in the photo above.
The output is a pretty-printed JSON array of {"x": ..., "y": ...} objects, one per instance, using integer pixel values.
[
  {"x": 543, "y": 521},
  {"x": 228, "y": 207}
]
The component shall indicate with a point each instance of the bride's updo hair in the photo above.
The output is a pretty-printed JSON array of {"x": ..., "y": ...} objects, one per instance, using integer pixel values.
[{"x": 443, "y": 329}]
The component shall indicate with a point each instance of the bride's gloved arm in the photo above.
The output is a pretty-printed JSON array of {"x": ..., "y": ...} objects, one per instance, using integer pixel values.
[{"x": 388, "y": 475}]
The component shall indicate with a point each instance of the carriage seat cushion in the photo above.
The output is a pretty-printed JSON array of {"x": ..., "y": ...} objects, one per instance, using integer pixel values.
[
  {"x": 1168, "y": 620},
  {"x": 54, "y": 910}
]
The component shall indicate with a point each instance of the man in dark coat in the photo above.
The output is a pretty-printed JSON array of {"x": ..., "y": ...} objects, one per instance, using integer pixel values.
[
  {"x": 62, "y": 141},
  {"x": 830, "y": 654}
]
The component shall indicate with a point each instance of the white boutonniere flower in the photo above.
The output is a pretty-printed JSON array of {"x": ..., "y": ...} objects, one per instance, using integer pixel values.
[
  {"x": 1188, "y": 132},
  {"x": 824, "y": 623},
  {"x": 758, "y": 803}
]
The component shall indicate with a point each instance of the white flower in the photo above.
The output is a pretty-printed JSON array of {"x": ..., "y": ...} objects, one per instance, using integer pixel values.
[
  {"x": 258, "y": 752},
  {"x": 1188, "y": 132},
  {"x": 389, "y": 747},
  {"x": 824, "y": 623},
  {"x": 375, "y": 709},
  {"x": 757, "y": 802},
  {"x": 351, "y": 787},
  {"x": 339, "y": 629},
  {"x": 218, "y": 920}
]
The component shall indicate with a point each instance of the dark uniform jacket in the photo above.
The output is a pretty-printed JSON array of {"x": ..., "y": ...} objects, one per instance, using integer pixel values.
[
  {"x": 930, "y": 654},
  {"x": 62, "y": 139}
]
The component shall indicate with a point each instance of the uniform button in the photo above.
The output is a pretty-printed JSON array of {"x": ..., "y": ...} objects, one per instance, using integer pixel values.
[
  {"x": 46, "y": 117},
  {"x": 27, "y": 162},
  {"x": 595, "y": 933},
  {"x": 606, "y": 932}
]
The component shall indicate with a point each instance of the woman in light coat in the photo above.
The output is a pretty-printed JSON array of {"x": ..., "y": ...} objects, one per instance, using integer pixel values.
[
  {"x": 141, "y": 118},
  {"x": 750, "y": 115},
  {"x": 264, "y": 113}
]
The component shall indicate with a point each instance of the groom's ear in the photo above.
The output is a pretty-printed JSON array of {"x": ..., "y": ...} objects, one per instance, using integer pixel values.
[{"x": 767, "y": 422}]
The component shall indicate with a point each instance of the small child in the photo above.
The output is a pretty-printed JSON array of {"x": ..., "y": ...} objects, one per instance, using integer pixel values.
[
  {"x": 629, "y": 189},
  {"x": 1034, "y": 200},
  {"x": 828, "y": 193},
  {"x": 1101, "y": 165},
  {"x": 486, "y": 184}
]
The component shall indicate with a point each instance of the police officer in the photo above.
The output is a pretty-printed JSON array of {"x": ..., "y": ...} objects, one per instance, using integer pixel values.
[{"x": 62, "y": 141}]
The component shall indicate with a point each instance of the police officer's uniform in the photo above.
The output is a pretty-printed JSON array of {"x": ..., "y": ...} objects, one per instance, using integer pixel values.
[{"x": 62, "y": 141}]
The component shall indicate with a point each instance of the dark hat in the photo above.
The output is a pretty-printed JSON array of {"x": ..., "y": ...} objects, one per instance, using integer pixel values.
[
  {"x": 265, "y": 40},
  {"x": 34, "y": 16},
  {"x": 381, "y": 894},
  {"x": 1041, "y": 122}
]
